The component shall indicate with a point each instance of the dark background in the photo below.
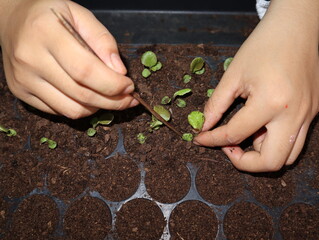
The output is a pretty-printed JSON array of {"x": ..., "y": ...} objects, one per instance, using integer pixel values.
[{"x": 196, "y": 5}]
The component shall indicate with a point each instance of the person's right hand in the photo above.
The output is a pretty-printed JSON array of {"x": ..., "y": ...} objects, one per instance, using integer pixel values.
[{"x": 47, "y": 68}]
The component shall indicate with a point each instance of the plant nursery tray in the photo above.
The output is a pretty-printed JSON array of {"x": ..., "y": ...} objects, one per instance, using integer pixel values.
[{"x": 110, "y": 186}]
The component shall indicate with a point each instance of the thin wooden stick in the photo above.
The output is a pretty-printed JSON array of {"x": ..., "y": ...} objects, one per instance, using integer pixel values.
[{"x": 78, "y": 37}]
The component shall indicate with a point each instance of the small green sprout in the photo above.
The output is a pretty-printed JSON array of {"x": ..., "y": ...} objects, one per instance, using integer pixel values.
[
  {"x": 149, "y": 60},
  {"x": 210, "y": 92},
  {"x": 146, "y": 73},
  {"x": 196, "y": 120},
  {"x": 166, "y": 100},
  {"x": 227, "y": 62},
  {"x": 187, "y": 78},
  {"x": 9, "y": 131},
  {"x": 197, "y": 65},
  {"x": 51, "y": 144},
  {"x": 180, "y": 102},
  {"x": 163, "y": 112},
  {"x": 182, "y": 92},
  {"x": 104, "y": 119},
  {"x": 187, "y": 137},
  {"x": 141, "y": 138}
]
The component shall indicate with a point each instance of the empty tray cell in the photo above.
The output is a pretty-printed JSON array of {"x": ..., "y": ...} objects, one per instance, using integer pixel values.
[
  {"x": 193, "y": 220},
  {"x": 140, "y": 219},
  {"x": 247, "y": 221},
  {"x": 167, "y": 180},
  {"x": 300, "y": 221},
  {"x": 19, "y": 174},
  {"x": 26, "y": 226},
  {"x": 218, "y": 182},
  {"x": 87, "y": 218},
  {"x": 115, "y": 178}
]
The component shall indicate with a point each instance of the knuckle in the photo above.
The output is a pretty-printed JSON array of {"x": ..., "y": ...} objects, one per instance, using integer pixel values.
[
  {"x": 85, "y": 96},
  {"x": 233, "y": 139},
  {"x": 82, "y": 72},
  {"x": 75, "y": 113}
]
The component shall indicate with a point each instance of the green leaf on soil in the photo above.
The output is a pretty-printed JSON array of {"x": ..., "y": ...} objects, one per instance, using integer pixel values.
[
  {"x": 146, "y": 73},
  {"x": 180, "y": 102},
  {"x": 197, "y": 64},
  {"x": 187, "y": 78},
  {"x": 187, "y": 137},
  {"x": 141, "y": 138},
  {"x": 227, "y": 62},
  {"x": 210, "y": 92},
  {"x": 182, "y": 92},
  {"x": 157, "y": 67},
  {"x": 166, "y": 100},
  {"x": 149, "y": 59},
  {"x": 196, "y": 120}
]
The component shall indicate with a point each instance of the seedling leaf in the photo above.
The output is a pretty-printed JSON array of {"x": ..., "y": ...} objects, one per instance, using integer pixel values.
[
  {"x": 200, "y": 72},
  {"x": 106, "y": 118},
  {"x": 227, "y": 62},
  {"x": 210, "y": 92},
  {"x": 51, "y": 144},
  {"x": 163, "y": 112},
  {"x": 149, "y": 59},
  {"x": 94, "y": 122},
  {"x": 146, "y": 73},
  {"x": 8, "y": 131},
  {"x": 157, "y": 67},
  {"x": 187, "y": 78},
  {"x": 187, "y": 137},
  {"x": 91, "y": 132},
  {"x": 196, "y": 120},
  {"x": 182, "y": 92},
  {"x": 141, "y": 138},
  {"x": 166, "y": 100},
  {"x": 180, "y": 102},
  {"x": 197, "y": 64}
]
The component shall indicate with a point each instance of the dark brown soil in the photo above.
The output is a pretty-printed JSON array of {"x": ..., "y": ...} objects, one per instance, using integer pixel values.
[
  {"x": 4, "y": 211},
  {"x": 247, "y": 221},
  {"x": 212, "y": 184},
  {"x": 167, "y": 180},
  {"x": 26, "y": 226},
  {"x": 115, "y": 178},
  {"x": 87, "y": 218},
  {"x": 300, "y": 221},
  {"x": 273, "y": 189},
  {"x": 140, "y": 219},
  {"x": 193, "y": 220}
]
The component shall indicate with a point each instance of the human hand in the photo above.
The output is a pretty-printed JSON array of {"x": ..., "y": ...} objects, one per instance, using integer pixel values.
[
  {"x": 47, "y": 68},
  {"x": 277, "y": 71}
]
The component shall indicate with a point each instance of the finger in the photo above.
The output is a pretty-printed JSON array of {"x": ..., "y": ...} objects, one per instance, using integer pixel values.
[
  {"x": 59, "y": 102},
  {"x": 247, "y": 121},
  {"x": 86, "y": 68},
  {"x": 259, "y": 137},
  {"x": 85, "y": 96},
  {"x": 275, "y": 150},
  {"x": 299, "y": 143},
  {"x": 98, "y": 37},
  {"x": 224, "y": 95}
]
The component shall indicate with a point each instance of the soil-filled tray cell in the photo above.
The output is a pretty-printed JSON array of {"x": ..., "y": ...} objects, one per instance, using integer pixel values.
[
  {"x": 167, "y": 180},
  {"x": 4, "y": 212},
  {"x": 193, "y": 220},
  {"x": 218, "y": 182},
  {"x": 19, "y": 174},
  {"x": 67, "y": 175},
  {"x": 273, "y": 189},
  {"x": 300, "y": 221},
  {"x": 87, "y": 218},
  {"x": 35, "y": 218},
  {"x": 115, "y": 178},
  {"x": 140, "y": 219},
  {"x": 247, "y": 221}
]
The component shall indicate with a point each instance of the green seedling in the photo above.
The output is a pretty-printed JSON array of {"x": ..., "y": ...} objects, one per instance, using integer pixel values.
[
  {"x": 51, "y": 144},
  {"x": 104, "y": 119},
  {"x": 163, "y": 112},
  {"x": 180, "y": 102},
  {"x": 197, "y": 65},
  {"x": 141, "y": 138},
  {"x": 166, "y": 100},
  {"x": 187, "y": 78},
  {"x": 187, "y": 137},
  {"x": 150, "y": 62},
  {"x": 210, "y": 92},
  {"x": 182, "y": 92},
  {"x": 8, "y": 131},
  {"x": 196, "y": 120},
  {"x": 227, "y": 62}
]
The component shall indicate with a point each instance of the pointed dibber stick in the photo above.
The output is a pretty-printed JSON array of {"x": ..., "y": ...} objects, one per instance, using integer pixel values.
[{"x": 78, "y": 37}]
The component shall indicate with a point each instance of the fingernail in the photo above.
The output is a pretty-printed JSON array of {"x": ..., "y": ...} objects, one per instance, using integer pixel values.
[
  {"x": 134, "y": 103},
  {"x": 117, "y": 63},
  {"x": 129, "y": 89}
]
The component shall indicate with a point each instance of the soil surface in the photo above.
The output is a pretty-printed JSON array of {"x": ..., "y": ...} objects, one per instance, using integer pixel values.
[{"x": 72, "y": 191}]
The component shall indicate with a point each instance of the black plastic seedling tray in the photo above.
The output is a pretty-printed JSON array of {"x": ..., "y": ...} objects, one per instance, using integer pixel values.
[{"x": 135, "y": 28}]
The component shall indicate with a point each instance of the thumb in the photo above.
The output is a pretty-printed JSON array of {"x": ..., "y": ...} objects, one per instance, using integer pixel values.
[{"x": 97, "y": 36}]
